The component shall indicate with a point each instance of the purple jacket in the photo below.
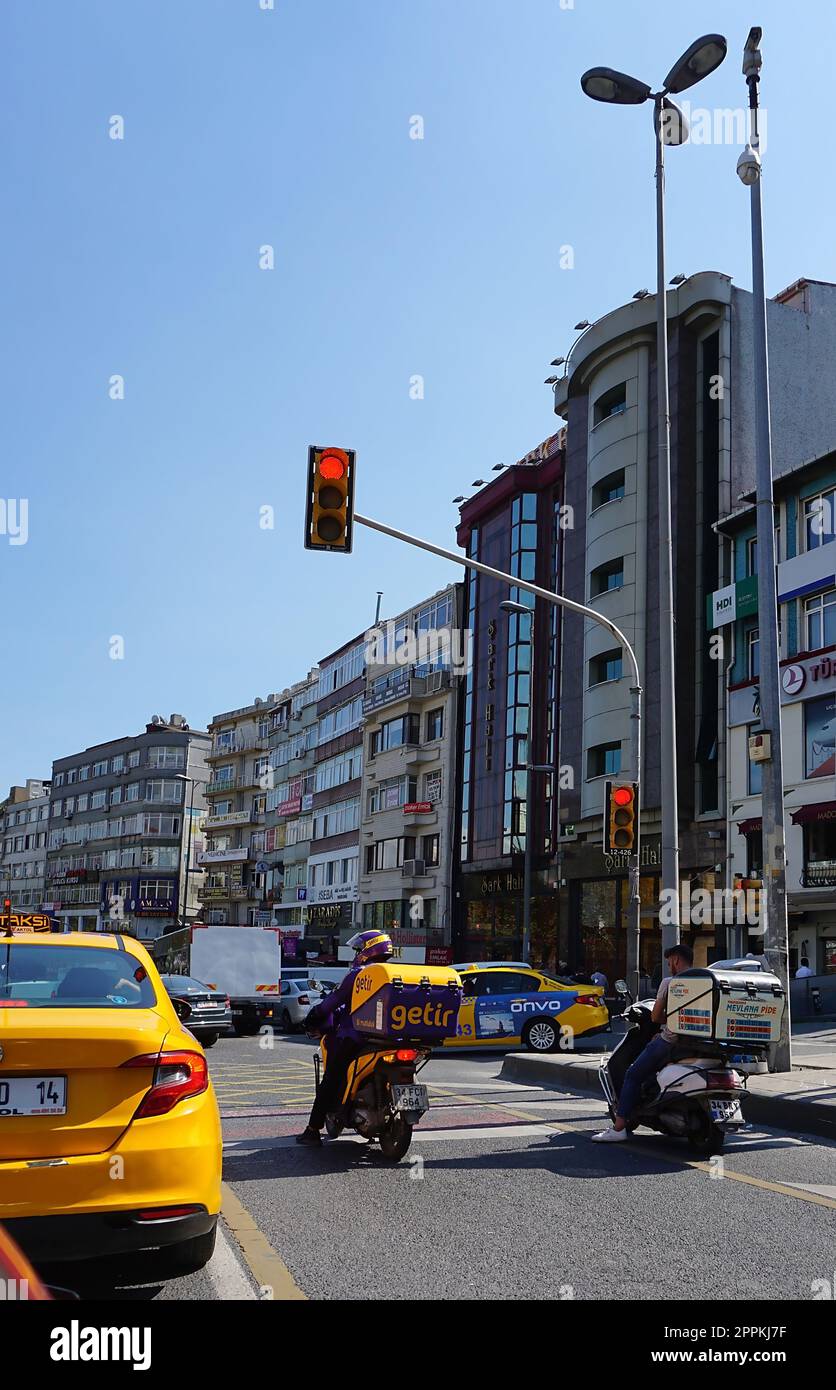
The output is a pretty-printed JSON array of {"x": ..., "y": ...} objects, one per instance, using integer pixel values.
[{"x": 333, "y": 1015}]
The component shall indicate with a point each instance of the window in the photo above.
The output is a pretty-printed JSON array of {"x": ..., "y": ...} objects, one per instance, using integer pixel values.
[
  {"x": 156, "y": 888},
  {"x": 224, "y": 740},
  {"x": 434, "y": 724},
  {"x": 754, "y": 782},
  {"x": 336, "y": 819},
  {"x": 163, "y": 756},
  {"x": 344, "y": 669},
  {"x": 754, "y": 853},
  {"x": 393, "y": 792},
  {"x": 613, "y": 402},
  {"x": 338, "y": 721},
  {"x": 383, "y": 916},
  {"x": 606, "y": 577},
  {"x": 116, "y": 794},
  {"x": 132, "y": 791},
  {"x": 72, "y": 776},
  {"x": 820, "y": 737},
  {"x": 753, "y": 657},
  {"x": 154, "y": 823},
  {"x": 133, "y": 758},
  {"x": 334, "y": 771},
  {"x": 69, "y": 805},
  {"x": 98, "y": 800},
  {"x": 432, "y": 786},
  {"x": 117, "y": 763},
  {"x": 58, "y": 780},
  {"x": 609, "y": 489},
  {"x": 606, "y": 667},
  {"x": 224, "y": 776},
  {"x": 429, "y": 850},
  {"x": 820, "y": 519},
  {"x": 394, "y": 734},
  {"x": 164, "y": 790},
  {"x": 603, "y": 760},
  {"x": 161, "y": 857},
  {"x": 221, "y": 808},
  {"x": 389, "y": 854},
  {"x": 820, "y": 854},
  {"x": 100, "y": 769},
  {"x": 820, "y": 620}
]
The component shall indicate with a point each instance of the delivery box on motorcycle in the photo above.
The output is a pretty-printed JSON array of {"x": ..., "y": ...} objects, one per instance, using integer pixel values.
[
  {"x": 411, "y": 1002},
  {"x": 734, "y": 1006}
]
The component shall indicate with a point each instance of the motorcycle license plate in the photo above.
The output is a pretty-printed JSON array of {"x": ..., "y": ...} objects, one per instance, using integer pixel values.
[
  {"x": 410, "y": 1098},
  {"x": 725, "y": 1109}
]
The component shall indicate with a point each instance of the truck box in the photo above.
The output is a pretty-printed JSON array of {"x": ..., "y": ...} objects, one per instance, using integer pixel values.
[
  {"x": 416, "y": 1003},
  {"x": 246, "y": 964},
  {"x": 735, "y": 1006}
]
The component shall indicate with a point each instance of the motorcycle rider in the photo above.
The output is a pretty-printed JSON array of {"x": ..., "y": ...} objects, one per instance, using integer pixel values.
[
  {"x": 652, "y": 1057},
  {"x": 333, "y": 1017}
]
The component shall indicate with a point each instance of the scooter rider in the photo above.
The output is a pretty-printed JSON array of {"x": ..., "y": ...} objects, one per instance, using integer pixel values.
[
  {"x": 333, "y": 1017},
  {"x": 653, "y": 1057}
]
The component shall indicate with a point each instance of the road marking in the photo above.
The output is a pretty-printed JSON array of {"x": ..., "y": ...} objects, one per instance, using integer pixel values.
[
  {"x": 266, "y": 1266},
  {"x": 226, "y": 1276}
]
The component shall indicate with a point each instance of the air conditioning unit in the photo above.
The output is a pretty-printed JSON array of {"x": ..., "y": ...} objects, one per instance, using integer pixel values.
[{"x": 414, "y": 868}]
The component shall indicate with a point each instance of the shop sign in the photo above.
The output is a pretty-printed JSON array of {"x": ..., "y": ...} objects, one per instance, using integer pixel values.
[
  {"x": 738, "y": 600},
  {"x": 289, "y": 808},
  {"x": 223, "y": 856},
  {"x": 439, "y": 955},
  {"x": 346, "y": 893},
  {"x": 617, "y": 861},
  {"x": 800, "y": 680},
  {"x": 417, "y": 808}
]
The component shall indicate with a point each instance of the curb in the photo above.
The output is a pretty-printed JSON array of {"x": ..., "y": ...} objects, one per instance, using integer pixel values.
[{"x": 800, "y": 1112}]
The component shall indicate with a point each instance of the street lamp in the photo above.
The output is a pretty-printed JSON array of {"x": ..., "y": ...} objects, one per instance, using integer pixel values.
[
  {"x": 776, "y": 943},
  {"x": 200, "y": 782},
  {"x": 671, "y": 128}
]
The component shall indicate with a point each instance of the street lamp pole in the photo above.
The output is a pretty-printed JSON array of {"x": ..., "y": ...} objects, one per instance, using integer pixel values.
[
  {"x": 670, "y": 128},
  {"x": 776, "y": 943}
]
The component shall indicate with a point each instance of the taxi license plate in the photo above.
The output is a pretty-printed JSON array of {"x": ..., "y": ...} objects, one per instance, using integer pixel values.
[
  {"x": 411, "y": 1098},
  {"x": 725, "y": 1109},
  {"x": 33, "y": 1095}
]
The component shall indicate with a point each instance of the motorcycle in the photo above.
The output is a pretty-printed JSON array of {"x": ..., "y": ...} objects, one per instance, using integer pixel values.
[
  {"x": 696, "y": 1095},
  {"x": 382, "y": 1101}
]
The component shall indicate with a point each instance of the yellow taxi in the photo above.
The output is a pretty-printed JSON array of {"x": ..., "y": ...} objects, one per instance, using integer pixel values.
[
  {"x": 110, "y": 1136},
  {"x": 508, "y": 1004}
]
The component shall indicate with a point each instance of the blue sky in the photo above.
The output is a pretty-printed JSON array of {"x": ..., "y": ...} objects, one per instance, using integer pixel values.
[{"x": 393, "y": 257}]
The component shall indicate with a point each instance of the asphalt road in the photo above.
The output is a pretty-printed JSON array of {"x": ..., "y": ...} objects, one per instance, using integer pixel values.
[{"x": 501, "y": 1196}]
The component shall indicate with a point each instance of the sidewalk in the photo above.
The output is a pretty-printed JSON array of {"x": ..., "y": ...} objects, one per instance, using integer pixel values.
[{"x": 802, "y": 1101}]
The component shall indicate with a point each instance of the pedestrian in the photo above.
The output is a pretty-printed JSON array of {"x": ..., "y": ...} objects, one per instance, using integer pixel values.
[{"x": 804, "y": 969}]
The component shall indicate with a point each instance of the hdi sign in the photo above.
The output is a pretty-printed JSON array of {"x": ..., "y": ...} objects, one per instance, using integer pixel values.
[{"x": 739, "y": 600}]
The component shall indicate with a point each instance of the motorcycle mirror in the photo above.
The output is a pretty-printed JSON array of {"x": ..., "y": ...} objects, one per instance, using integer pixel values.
[{"x": 621, "y": 987}]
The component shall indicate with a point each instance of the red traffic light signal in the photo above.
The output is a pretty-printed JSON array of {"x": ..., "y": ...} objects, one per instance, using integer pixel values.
[
  {"x": 329, "y": 509},
  {"x": 621, "y": 810}
]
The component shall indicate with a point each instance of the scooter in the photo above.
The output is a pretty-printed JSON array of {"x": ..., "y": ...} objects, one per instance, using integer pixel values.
[
  {"x": 697, "y": 1094},
  {"x": 381, "y": 1101}
]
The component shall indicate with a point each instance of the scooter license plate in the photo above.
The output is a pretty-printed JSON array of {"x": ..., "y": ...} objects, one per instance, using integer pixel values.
[
  {"x": 410, "y": 1098},
  {"x": 728, "y": 1110}
]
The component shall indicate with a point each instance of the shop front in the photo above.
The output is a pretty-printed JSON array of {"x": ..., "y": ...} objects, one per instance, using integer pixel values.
[{"x": 489, "y": 917}]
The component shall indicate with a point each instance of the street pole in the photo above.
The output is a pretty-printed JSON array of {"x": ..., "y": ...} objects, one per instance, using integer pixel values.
[
  {"x": 634, "y": 916},
  {"x": 185, "y": 913},
  {"x": 529, "y": 802},
  {"x": 670, "y": 916},
  {"x": 774, "y": 896}
]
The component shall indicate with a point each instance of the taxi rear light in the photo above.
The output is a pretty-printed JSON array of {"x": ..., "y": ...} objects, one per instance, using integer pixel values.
[
  {"x": 177, "y": 1076},
  {"x": 14, "y": 1003},
  {"x": 593, "y": 1000},
  {"x": 165, "y": 1213}
]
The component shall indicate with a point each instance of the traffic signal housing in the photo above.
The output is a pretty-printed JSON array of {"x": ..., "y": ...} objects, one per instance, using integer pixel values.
[
  {"x": 621, "y": 816},
  {"x": 329, "y": 512}
]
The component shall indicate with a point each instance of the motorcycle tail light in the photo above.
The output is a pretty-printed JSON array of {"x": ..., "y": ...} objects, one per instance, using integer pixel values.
[
  {"x": 721, "y": 1081},
  {"x": 406, "y": 1054}
]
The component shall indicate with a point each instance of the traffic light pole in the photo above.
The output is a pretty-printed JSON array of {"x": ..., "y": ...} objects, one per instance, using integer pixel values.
[{"x": 634, "y": 911}]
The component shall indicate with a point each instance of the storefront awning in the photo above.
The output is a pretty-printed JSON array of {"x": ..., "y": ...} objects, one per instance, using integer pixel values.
[
  {"x": 747, "y": 827},
  {"x": 819, "y": 810}
]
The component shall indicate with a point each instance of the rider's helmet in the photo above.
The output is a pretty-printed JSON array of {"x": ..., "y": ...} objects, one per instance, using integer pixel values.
[{"x": 369, "y": 946}]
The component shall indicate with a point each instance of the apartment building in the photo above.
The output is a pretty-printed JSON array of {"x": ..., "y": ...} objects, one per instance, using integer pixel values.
[
  {"x": 24, "y": 817},
  {"x": 805, "y": 531},
  {"x": 234, "y": 892},
  {"x": 610, "y": 561},
  {"x": 289, "y": 824},
  {"x": 123, "y": 822}
]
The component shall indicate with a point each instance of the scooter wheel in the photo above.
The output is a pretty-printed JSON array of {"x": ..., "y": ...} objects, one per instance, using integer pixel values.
[
  {"x": 708, "y": 1142},
  {"x": 395, "y": 1139},
  {"x": 333, "y": 1128}
]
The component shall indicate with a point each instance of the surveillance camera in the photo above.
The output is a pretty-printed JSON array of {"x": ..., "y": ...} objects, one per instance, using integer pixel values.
[
  {"x": 752, "y": 61},
  {"x": 749, "y": 166}
]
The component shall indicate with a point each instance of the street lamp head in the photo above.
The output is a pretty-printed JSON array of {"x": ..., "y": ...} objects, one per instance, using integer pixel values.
[
  {"x": 509, "y": 605},
  {"x": 551, "y": 381},
  {"x": 749, "y": 166},
  {"x": 498, "y": 467},
  {"x": 558, "y": 362},
  {"x": 478, "y": 482},
  {"x": 697, "y": 62},
  {"x": 642, "y": 294},
  {"x": 458, "y": 499},
  {"x": 605, "y": 84},
  {"x": 677, "y": 280},
  {"x": 584, "y": 323}
]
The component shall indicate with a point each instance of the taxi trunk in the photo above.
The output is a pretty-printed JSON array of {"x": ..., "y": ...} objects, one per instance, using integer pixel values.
[{"x": 68, "y": 1070}]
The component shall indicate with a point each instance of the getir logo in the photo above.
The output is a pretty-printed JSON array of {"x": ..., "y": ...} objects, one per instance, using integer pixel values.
[{"x": 433, "y": 1015}]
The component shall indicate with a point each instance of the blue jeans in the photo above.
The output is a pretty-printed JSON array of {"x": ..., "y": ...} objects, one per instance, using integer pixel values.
[{"x": 648, "y": 1062}]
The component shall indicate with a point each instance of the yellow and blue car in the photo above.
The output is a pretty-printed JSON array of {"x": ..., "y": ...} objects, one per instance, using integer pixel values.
[
  {"x": 110, "y": 1137},
  {"x": 508, "y": 1004}
]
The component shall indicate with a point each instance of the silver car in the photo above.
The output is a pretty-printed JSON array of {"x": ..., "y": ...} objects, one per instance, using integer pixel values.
[{"x": 297, "y": 999}]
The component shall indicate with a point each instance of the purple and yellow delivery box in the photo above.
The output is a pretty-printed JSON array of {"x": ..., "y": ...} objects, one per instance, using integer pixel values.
[{"x": 398, "y": 1001}]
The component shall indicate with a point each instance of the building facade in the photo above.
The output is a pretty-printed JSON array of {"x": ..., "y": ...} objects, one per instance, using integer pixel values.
[
  {"x": 293, "y": 731},
  {"x": 515, "y": 524},
  {"x": 805, "y": 530},
  {"x": 119, "y": 831},
  {"x": 234, "y": 890},
  {"x": 24, "y": 827},
  {"x": 408, "y": 829},
  {"x": 608, "y": 399}
]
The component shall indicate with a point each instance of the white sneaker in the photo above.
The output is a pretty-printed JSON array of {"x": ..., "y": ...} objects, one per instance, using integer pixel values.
[{"x": 610, "y": 1136}]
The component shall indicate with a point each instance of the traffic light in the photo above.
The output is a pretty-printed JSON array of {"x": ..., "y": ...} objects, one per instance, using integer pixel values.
[
  {"x": 329, "y": 512},
  {"x": 621, "y": 816}
]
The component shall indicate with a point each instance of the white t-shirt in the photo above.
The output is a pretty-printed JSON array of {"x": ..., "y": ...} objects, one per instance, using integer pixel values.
[{"x": 662, "y": 998}]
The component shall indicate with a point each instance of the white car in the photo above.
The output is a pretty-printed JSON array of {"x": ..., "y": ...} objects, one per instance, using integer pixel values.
[{"x": 297, "y": 999}]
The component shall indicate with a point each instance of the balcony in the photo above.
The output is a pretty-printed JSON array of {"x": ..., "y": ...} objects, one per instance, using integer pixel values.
[
  {"x": 215, "y": 788},
  {"x": 401, "y": 686},
  {"x": 252, "y": 743}
]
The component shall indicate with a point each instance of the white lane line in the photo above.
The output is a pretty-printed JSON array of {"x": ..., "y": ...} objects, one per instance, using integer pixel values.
[
  {"x": 820, "y": 1189},
  {"x": 481, "y": 1085},
  {"x": 226, "y": 1276}
]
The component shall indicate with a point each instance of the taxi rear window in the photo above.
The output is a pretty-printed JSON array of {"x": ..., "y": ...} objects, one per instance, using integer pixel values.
[{"x": 72, "y": 977}]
